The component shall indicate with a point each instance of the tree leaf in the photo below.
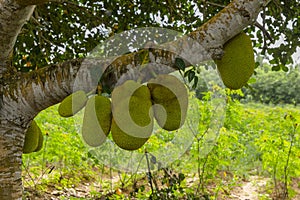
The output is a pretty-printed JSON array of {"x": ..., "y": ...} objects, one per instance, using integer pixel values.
[
  {"x": 251, "y": 80},
  {"x": 191, "y": 76},
  {"x": 276, "y": 68},
  {"x": 186, "y": 73},
  {"x": 284, "y": 68},
  {"x": 195, "y": 82},
  {"x": 180, "y": 64}
]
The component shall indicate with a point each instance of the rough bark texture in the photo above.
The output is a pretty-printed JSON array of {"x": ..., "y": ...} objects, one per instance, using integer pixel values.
[
  {"x": 26, "y": 95},
  {"x": 11, "y": 142},
  {"x": 22, "y": 96},
  {"x": 12, "y": 18}
]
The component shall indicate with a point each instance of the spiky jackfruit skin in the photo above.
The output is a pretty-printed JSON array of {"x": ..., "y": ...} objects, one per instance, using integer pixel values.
[
  {"x": 40, "y": 142},
  {"x": 72, "y": 104},
  {"x": 132, "y": 123},
  {"x": 96, "y": 120},
  {"x": 31, "y": 138},
  {"x": 237, "y": 64},
  {"x": 170, "y": 99}
]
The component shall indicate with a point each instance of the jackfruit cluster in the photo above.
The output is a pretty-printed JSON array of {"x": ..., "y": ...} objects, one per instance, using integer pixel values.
[
  {"x": 33, "y": 139},
  {"x": 129, "y": 115},
  {"x": 135, "y": 106},
  {"x": 237, "y": 64}
]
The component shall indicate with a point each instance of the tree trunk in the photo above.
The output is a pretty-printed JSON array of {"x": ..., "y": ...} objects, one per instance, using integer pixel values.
[
  {"x": 22, "y": 98},
  {"x": 12, "y": 18},
  {"x": 11, "y": 143}
]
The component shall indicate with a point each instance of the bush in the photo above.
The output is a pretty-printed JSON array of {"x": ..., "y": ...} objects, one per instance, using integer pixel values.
[{"x": 275, "y": 87}]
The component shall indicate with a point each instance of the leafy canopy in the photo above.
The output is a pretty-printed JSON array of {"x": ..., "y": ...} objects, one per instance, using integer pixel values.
[{"x": 65, "y": 30}]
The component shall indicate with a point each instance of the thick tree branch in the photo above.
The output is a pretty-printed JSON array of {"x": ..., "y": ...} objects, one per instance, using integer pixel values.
[
  {"x": 37, "y": 90},
  {"x": 209, "y": 38},
  {"x": 27, "y": 94}
]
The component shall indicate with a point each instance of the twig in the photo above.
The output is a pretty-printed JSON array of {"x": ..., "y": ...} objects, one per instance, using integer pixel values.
[
  {"x": 149, "y": 172},
  {"x": 286, "y": 194},
  {"x": 27, "y": 171},
  {"x": 265, "y": 32},
  {"x": 215, "y": 4}
]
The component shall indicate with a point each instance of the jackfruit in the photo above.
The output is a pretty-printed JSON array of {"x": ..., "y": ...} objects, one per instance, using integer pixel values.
[
  {"x": 72, "y": 104},
  {"x": 132, "y": 123},
  {"x": 96, "y": 120},
  {"x": 126, "y": 141},
  {"x": 40, "y": 143},
  {"x": 170, "y": 99},
  {"x": 237, "y": 64},
  {"x": 166, "y": 87},
  {"x": 31, "y": 138},
  {"x": 170, "y": 115}
]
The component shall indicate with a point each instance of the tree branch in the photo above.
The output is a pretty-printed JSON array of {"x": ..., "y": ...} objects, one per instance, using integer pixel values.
[
  {"x": 31, "y": 2},
  {"x": 203, "y": 44},
  {"x": 27, "y": 94},
  {"x": 35, "y": 91}
]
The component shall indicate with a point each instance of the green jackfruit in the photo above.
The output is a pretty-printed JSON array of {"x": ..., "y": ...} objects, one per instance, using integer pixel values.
[
  {"x": 96, "y": 120},
  {"x": 125, "y": 141},
  {"x": 237, "y": 64},
  {"x": 166, "y": 87},
  {"x": 72, "y": 104},
  {"x": 31, "y": 138},
  {"x": 40, "y": 143},
  {"x": 170, "y": 99},
  {"x": 132, "y": 123},
  {"x": 170, "y": 115}
]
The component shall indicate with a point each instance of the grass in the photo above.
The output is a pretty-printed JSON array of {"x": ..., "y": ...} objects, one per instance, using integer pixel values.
[{"x": 255, "y": 139}]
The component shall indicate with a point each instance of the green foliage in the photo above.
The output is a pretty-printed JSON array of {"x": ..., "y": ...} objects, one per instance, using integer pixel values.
[
  {"x": 285, "y": 26},
  {"x": 275, "y": 87},
  {"x": 255, "y": 140},
  {"x": 60, "y": 31},
  {"x": 64, "y": 159},
  {"x": 280, "y": 147}
]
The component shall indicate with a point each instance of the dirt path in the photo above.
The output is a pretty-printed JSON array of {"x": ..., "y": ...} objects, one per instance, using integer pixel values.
[{"x": 250, "y": 190}]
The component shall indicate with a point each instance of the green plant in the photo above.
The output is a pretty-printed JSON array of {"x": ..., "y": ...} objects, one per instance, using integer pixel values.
[
  {"x": 63, "y": 161},
  {"x": 280, "y": 152},
  {"x": 255, "y": 139}
]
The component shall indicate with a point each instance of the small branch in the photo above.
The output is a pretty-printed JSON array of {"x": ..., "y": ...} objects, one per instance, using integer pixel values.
[
  {"x": 149, "y": 172},
  {"x": 265, "y": 32},
  {"x": 31, "y": 2},
  {"x": 215, "y": 4}
]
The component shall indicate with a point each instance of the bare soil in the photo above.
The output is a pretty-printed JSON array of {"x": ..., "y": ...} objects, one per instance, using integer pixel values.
[{"x": 254, "y": 188}]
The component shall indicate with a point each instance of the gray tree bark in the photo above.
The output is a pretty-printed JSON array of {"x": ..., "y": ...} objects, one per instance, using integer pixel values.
[{"x": 23, "y": 96}]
